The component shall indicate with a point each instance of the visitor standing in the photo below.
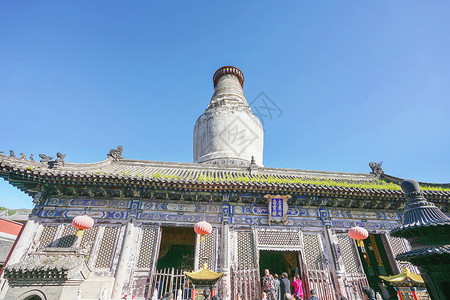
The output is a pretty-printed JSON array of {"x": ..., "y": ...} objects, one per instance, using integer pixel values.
[
  {"x": 285, "y": 286},
  {"x": 276, "y": 284},
  {"x": 268, "y": 285},
  {"x": 207, "y": 294},
  {"x": 297, "y": 285},
  {"x": 313, "y": 295}
]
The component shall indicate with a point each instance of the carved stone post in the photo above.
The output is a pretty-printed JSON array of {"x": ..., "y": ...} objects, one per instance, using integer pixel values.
[
  {"x": 226, "y": 283},
  {"x": 23, "y": 243},
  {"x": 225, "y": 262},
  {"x": 337, "y": 262},
  {"x": 20, "y": 249},
  {"x": 124, "y": 260}
]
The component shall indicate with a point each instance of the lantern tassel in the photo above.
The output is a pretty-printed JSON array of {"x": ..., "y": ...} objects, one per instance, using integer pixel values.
[
  {"x": 202, "y": 238},
  {"x": 80, "y": 232}
]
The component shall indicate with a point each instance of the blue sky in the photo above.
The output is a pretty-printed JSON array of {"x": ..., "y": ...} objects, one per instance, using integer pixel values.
[{"x": 356, "y": 81}]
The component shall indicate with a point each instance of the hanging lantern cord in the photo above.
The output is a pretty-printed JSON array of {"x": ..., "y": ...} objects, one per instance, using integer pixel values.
[
  {"x": 204, "y": 211},
  {"x": 88, "y": 207}
]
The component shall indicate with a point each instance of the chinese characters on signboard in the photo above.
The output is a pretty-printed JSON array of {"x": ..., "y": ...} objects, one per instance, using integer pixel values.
[{"x": 278, "y": 208}]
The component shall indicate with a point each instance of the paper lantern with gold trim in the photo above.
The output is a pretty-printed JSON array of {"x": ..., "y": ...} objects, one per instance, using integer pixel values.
[
  {"x": 81, "y": 223},
  {"x": 202, "y": 228},
  {"x": 358, "y": 233}
]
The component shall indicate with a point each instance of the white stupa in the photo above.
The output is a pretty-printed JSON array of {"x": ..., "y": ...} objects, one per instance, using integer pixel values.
[{"x": 228, "y": 133}]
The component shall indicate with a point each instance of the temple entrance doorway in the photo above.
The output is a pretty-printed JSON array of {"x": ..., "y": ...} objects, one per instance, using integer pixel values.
[
  {"x": 177, "y": 248},
  {"x": 279, "y": 261},
  {"x": 375, "y": 263},
  {"x": 176, "y": 254}
]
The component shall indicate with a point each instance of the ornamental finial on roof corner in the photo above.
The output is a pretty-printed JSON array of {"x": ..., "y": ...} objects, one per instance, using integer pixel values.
[
  {"x": 59, "y": 161},
  {"x": 376, "y": 169},
  {"x": 116, "y": 154},
  {"x": 45, "y": 160},
  {"x": 253, "y": 168}
]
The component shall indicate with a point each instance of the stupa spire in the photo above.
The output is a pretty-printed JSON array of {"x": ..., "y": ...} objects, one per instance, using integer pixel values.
[{"x": 228, "y": 84}]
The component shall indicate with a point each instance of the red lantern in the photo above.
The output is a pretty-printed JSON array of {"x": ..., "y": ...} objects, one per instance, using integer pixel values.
[
  {"x": 202, "y": 228},
  {"x": 358, "y": 233},
  {"x": 81, "y": 223}
]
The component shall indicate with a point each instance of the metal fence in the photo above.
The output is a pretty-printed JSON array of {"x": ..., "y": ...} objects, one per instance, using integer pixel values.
[
  {"x": 354, "y": 284},
  {"x": 321, "y": 281},
  {"x": 170, "y": 280},
  {"x": 246, "y": 282}
]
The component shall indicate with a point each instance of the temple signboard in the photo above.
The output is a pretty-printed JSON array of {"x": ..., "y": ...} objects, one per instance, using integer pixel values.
[{"x": 278, "y": 208}]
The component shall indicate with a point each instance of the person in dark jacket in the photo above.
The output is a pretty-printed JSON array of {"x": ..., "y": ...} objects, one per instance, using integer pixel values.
[
  {"x": 276, "y": 284},
  {"x": 285, "y": 286},
  {"x": 313, "y": 295}
]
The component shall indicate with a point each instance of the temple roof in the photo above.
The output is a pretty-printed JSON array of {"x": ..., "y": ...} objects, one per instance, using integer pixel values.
[
  {"x": 421, "y": 253},
  {"x": 116, "y": 170},
  {"x": 203, "y": 275},
  {"x": 50, "y": 264},
  {"x": 406, "y": 275}
]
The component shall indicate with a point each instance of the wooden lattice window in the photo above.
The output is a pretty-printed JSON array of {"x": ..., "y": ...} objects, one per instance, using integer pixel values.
[
  {"x": 107, "y": 246},
  {"x": 349, "y": 254},
  {"x": 88, "y": 239},
  {"x": 206, "y": 250},
  {"x": 245, "y": 250},
  {"x": 68, "y": 237},
  {"x": 48, "y": 235},
  {"x": 278, "y": 238},
  {"x": 146, "y": 252},
  {"x": 401, "y": 245},
  {"x": 313, "y": 252}
]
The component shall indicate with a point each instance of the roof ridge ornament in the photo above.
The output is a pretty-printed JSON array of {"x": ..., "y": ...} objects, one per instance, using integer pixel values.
[
  {"x": 59, "y": 161},
  {"x": 116, "y": 154},
  {"x": 376, "y": 169},
  {"x": 45, "y": 160},
  {"x": 253, "y": 167}
]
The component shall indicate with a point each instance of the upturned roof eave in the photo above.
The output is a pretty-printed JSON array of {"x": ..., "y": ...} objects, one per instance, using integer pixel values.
[
  {"x": 92, "y": 172},
  {"x": 407, "y": 231},
  {"x": 424, "y": 253}
]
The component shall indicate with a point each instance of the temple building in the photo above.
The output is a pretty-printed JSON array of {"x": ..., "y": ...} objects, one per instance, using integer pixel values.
[{"x": 144, "y": 212}]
